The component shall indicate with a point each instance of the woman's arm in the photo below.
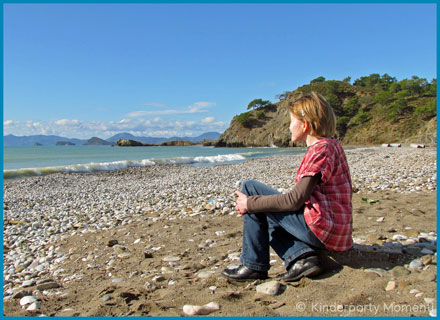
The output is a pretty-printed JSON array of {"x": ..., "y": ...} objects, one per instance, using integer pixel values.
[{"x": 291, "y": 201}]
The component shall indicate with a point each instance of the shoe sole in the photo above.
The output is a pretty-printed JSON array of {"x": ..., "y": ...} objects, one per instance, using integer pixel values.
[
  {"x": 314, "y": 271},
  {"x": 243, "y": 280}
]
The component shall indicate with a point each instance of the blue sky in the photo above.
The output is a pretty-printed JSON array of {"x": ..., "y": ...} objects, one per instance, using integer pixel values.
[{"x": 83, "y": 70}]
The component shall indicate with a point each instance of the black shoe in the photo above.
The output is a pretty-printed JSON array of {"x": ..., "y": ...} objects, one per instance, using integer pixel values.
[
  {"x": 243, "y": 273},
  {"x": 306, "y": 267}
]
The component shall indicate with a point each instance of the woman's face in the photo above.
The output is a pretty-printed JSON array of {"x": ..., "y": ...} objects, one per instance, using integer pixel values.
[{"x": 297, "y": 129}]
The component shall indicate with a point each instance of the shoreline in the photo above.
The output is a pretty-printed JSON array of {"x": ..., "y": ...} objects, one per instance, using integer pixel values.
[{"x": 57, "y": 228}]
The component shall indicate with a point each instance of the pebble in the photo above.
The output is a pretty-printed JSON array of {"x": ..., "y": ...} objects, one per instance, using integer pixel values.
[
  {"x": 433, "y": 313},
  {"x": 427, "y": 276},
  {"x": 171, "y": 259},
  {"x": 416, "y": 264},
  {"x": 34, "y": 306},
  {"x": 400, "y": 272},
  {"x": 271, "y": 288},
  {"x": 380, "y": 272},
  {"x": 192, "y": 310},
  {"x": 399, "y": 237},
  {"x": 27, "y": 300},
  {"x": 205, "y": 274},
  {"x": 427, "y": 251},
  {"x": 429, "y": 300},
  {"x": 391, "y": 286},
  {"x": 28, "y": 283},
  {"x": 20, "y": 294},
  {"x": 48, "y": 285}
]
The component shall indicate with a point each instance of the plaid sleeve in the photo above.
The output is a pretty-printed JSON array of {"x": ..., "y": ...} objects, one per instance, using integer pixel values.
[{"x": 319, "y": 161}]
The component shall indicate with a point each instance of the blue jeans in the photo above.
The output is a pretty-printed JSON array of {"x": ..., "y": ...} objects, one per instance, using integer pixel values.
[{"x": 286, "y": 232}]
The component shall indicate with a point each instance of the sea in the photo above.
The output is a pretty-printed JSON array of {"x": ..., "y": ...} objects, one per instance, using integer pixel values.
[{"x": 43, "y": 160}]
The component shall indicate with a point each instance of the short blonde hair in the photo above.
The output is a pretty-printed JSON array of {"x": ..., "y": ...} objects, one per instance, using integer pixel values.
[{"x": 314, "y": 109}]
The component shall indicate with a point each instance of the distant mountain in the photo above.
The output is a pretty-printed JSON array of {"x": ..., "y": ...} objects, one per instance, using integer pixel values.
[
  {"x": 159, "y": 140},
  {"x": 15, "y": 141},
  {"x": 97, "y": 142},
  {"x": 12, "y": 141}
]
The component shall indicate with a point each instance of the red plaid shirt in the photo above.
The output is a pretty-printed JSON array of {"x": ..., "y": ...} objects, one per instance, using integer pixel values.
[{"x": 328, "y": 212}]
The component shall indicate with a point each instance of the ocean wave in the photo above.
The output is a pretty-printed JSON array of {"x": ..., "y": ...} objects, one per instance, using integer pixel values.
[{"x": 118, "y": 165}]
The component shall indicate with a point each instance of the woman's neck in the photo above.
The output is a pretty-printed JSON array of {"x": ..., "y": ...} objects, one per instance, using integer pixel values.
[{"x": 311, "y": 140}]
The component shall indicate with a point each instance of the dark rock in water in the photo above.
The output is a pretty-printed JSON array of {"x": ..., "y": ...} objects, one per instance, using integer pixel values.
[
  {"x": 64, "y": 143},
  {"x": 130, "y": 143}
]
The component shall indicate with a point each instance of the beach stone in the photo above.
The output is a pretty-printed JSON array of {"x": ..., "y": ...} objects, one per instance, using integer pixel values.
[
  {"x": 158, "y": 278},
  {"x": 119, "y": 249},
  {"x": 400, "y": 237},
  {"x": 380, "y": 272},
  {"x": 171, "y": 259},
  {"x": 429, "y": 300},
  {"x": 192, "y": 310},
  {"x": 28, "y": 283},
  {"x": 371, "y": 276},
  {"x": 413, "y": 250},
  {"x": 34, "y": 306},
  {"x": 205, "y": 274},
  {"x": 426, "y": 251},
  {"x": 106, "y": 298},
  {"x": 48, "y": 285},
  {"x": 112, "y": 243},
  {"x": 27, "y": 300},
  {"x": 403, "y": 284},
  {"x": 433, "y": 313},
  {"x": 411, "y": 232},
  {"x": 427, "y": 276},
  {"x": 415, "y": 264},
  {"x": 270, "y": 288},
  {"x": 427, "y": 260},
  {"x": 391, "y": 285},
  {"x": 400, "y": 272},
  {"x": 21, "y": 293}
]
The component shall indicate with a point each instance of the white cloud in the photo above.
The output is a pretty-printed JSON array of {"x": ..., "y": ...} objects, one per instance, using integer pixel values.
[
  {"x": 72, "y": 128},
  {"x": 66, "y": 122},
  {"x": 208, "y": 120}
]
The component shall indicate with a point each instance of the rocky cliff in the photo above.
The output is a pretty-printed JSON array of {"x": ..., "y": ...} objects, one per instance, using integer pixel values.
[{"x": 372, "y": 110}]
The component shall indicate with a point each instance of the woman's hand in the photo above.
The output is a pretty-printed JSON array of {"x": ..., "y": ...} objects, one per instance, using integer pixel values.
[{"x": 241, "y": 202}]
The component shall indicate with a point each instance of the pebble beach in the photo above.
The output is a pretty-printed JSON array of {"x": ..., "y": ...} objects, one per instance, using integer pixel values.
[{"x": 152, "y": 241}]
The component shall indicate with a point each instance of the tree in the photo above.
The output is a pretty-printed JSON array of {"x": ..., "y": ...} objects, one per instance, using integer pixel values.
[
  {"x": 258, "y": 103},
  {"x": 282, "y": 96},
  {"x": 319, "y": 79},
  {"x": 352, "y": 107},
  {"x": 245, "y": 119},
  {"x": 347, "y": 80}
]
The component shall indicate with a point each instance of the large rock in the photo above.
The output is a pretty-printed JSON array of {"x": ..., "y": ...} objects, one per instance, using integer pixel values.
[{"x": 128, "y": 143}]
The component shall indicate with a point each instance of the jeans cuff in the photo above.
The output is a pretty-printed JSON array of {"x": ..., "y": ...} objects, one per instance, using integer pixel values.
[
  {"x": 255, "y": 266},
  {"x": 292, "y": 259}
]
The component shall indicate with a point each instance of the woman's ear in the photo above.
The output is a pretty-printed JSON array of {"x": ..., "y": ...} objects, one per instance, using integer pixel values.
[{"x": 306, "y": 126}]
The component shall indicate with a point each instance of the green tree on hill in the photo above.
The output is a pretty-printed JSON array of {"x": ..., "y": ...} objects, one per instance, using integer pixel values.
[
  {"x": 319, "y": 79},
  {"x": 258, "y": 103}
]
